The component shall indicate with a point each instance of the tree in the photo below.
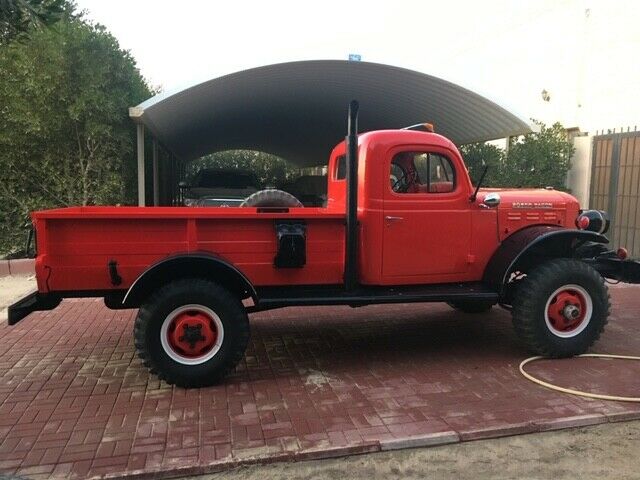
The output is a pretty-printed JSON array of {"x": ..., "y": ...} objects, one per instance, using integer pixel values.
[
  {"x": 537, "y": 159},
  {"x": 477, "y": 156},
  {"x": 17, "y": 17},
  {"x": 65, "y": 136}
]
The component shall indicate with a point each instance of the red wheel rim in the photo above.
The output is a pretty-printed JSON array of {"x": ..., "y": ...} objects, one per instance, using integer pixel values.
[
  {"x": 567, "y": 310},
  {"x": 192, "y": 334}
]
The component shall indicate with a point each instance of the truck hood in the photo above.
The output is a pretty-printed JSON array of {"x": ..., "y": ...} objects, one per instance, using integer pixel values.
[{"x": 522, "y": 208}]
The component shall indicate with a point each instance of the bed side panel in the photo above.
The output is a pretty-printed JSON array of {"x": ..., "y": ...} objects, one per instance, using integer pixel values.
[{"x": 74, "y": 252}]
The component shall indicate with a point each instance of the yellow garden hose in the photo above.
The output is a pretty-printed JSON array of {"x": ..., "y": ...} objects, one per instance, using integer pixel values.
[{"x": 578, "y": 392}]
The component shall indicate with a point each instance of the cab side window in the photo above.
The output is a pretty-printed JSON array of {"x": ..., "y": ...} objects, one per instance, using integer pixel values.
[
  {"x": 421, "y": 172},
  {"x": 341, "y": 168}
]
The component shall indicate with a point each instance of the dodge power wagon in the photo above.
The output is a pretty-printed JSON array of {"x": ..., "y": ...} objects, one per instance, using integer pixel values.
[{"x": 402, "y": 223}]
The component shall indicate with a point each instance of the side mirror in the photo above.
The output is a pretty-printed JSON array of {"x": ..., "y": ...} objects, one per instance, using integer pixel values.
[{"x": 492, "y": 200}]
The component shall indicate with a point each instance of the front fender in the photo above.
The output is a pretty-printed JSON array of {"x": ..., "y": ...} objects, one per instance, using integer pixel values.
[{"x": 532, "y": 245}]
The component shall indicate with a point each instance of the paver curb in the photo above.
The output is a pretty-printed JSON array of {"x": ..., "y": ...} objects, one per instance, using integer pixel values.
[
  {"x": 320, "y": 453},
  {"x": 223, "y": 465},
  {"x": 623, "y": 416},
  {"x": 416, "y": 441},
  {"x": 503, "y": 430},
  {"x": 571, "y": 422},
  {"x": 18, "y": 266}
]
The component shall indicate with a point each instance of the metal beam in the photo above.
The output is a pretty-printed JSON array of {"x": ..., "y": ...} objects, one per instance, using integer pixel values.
[
  {"x": 141, "y": 196},
  {"x": 156, "y": 175}
]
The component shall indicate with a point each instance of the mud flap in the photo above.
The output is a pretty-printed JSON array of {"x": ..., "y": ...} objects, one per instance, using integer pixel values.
[{"x": 31, "y": 303}]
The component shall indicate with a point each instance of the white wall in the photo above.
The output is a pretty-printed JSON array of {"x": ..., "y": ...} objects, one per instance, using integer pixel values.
[{"x": 579, "y": 176}]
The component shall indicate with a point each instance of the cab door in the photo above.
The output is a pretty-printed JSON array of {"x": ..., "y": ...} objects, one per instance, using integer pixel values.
[{"x": 426, "y": 218}]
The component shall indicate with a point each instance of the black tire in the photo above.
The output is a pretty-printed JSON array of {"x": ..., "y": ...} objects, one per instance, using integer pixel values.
[
  {"x": 533, "y": 322},
  {"x": 471, "y": 306},
  {"x": 271, "y": 198},
  {"x": 155, "y": 312}
]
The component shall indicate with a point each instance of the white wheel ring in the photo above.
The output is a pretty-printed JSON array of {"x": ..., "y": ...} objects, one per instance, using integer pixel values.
[
  {"x": 587, "y": 319},
  {"x": 175, "y": 356}
]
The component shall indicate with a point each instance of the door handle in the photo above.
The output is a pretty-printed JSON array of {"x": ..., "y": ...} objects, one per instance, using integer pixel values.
[{"x": 391, "y": 219}]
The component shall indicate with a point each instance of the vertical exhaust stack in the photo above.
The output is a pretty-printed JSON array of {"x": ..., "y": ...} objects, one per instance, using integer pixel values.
[{"x": 351, "y": 230}]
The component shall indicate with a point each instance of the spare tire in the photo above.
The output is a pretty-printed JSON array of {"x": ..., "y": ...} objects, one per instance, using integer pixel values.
[{"x": 271, "y": 198}]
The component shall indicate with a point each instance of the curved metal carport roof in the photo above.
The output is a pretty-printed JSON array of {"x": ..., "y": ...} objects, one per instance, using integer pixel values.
[{"x": 298, "y": 110}]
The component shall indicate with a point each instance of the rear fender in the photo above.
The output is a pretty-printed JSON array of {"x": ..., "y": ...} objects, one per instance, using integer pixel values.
[
  {"x": 200, "y": 265},
  {"x": 533, "y": 245}
]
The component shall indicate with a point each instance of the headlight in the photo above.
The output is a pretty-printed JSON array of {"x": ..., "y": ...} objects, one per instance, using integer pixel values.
[{"x": 593, "y": 221}]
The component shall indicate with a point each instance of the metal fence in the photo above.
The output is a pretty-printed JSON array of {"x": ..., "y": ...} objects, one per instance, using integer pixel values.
[{"x": 615, "y": 185}]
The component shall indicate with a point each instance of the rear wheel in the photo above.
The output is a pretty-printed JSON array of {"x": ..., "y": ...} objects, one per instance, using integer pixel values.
[
  {"x": 560, "y": 308},
  {"x": 471, "y": 306},
  {"x": 191, "y": 332}
]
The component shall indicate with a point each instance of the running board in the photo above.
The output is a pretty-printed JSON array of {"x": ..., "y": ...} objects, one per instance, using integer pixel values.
[{"x": 278, "y": 297}]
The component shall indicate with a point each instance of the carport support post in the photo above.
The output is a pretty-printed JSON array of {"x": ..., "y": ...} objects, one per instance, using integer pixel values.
[
  {"x": 156, "y": 175},
  {"x": 141, "y": 197}
]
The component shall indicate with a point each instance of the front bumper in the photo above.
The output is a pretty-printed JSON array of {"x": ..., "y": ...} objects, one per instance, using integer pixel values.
[
  {"x": 627, "y": 271},
  {"x": 33, "y": 302}
]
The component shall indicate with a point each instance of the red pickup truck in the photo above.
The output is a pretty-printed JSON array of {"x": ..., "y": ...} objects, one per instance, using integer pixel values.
[{"x": 403, "y": 223}]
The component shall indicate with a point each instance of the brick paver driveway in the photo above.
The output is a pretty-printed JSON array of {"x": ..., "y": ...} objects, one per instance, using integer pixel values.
[{"x": 316, "y": 382}]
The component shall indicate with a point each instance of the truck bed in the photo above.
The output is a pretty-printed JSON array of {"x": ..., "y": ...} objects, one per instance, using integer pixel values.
[{"x": 75, "y": 245}]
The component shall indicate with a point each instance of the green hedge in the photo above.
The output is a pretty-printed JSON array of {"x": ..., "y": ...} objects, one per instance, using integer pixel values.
[
  {"x": 538, "y": 159},
  {"x": 65, "y": 135}
]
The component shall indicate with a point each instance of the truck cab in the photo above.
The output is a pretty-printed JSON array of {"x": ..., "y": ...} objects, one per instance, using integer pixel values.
[{"x": 417, "y": 222}]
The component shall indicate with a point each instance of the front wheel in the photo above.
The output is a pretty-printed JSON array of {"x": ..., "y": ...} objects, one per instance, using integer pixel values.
[
  {"x": 191, "y": 332},
  {"x": 560, "y": 308}
]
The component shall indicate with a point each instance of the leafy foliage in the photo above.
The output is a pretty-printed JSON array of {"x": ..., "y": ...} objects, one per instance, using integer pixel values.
[
  {"x": 479, "y": 155},
  {"x": 65, "y": 136},
  {"x": 17, "y": 17},
  {"x": 271, "y": 171},
  {"x": 538, "y": 159}
]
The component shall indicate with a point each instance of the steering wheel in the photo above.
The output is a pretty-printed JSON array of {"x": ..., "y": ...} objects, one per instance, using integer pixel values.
[{"x": 401, "y": 185}]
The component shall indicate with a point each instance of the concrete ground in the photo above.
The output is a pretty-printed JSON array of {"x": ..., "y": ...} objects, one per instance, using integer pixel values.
[
  {"x": 589, "y": 453},
  {"x": 12, "y": 288}
]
